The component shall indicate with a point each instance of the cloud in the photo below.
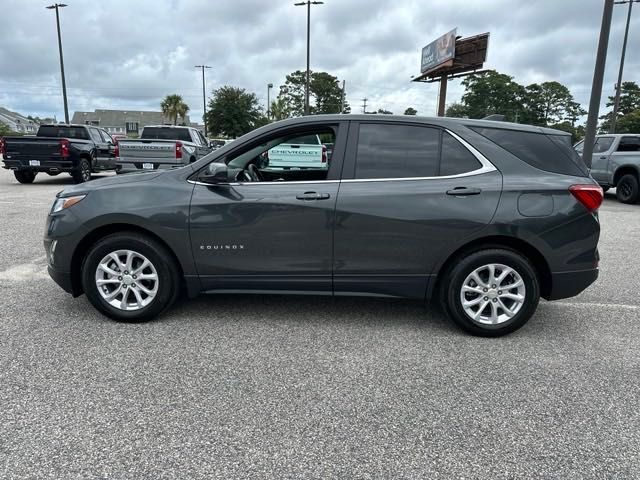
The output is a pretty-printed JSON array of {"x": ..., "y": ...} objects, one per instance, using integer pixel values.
[{"x": 124, "y": 54}]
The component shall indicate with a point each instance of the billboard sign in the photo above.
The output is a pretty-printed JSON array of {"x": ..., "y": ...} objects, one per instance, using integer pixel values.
[{"x": 439, "y": 51}]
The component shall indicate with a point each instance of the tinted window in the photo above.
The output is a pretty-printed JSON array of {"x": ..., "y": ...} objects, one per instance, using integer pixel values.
[
  {"x": 603, "y": 144},
  {"x": 168, "y": 133},
  {"x": 95, "y": 135},
  {"x": 629, "y": 144},
  {"x": 397, "y": 151},
  {"x": 456, "y": 159},
  {"x": 305, "y": 140},
  {"x": 536, "y": 149},
  {"x": 563, "y": 142},
  {"x": 62, "y": 131}
]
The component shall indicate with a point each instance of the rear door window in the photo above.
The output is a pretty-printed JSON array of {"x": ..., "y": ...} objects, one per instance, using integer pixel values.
[
  {"x": 456, "y": 158},
  {"x": 397, "y": 151},
  {"x": 537, "y": 149},
  {"x": 95, "y": 135}
]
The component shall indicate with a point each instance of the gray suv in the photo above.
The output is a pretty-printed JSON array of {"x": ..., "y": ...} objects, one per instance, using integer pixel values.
[{"x": 484, "y": 217}]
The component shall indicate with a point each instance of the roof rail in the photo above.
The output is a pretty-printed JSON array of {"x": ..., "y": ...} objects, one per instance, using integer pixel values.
[{"x": 496, "y": 117}]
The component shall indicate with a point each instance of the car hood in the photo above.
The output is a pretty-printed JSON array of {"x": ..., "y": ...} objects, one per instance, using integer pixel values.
[{"x": 110, "y": 181}]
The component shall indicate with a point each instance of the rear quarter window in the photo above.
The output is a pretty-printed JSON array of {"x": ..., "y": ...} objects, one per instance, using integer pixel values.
[{"x": 551, "y": 153}]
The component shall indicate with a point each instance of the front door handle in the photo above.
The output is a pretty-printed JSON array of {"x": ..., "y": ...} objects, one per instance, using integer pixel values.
[
  {"x": 464, "y": 191},
  {"x": 313, "y": 196}
]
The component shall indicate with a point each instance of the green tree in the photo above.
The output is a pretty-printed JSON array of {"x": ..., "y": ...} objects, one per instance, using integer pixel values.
[
  {"x": 629, "y": 102},
  {"x": 493, "y": 93},
  {"x": 457, "y": 110},
  {"x": 279, "y": 109},
  {"x": 549, "y": 103},
  {"x": 629, "y": 123},
  {"x": 325, "y": 93},
  {"x": 382, "y": 111},
  {"x": 410, "y": 111},
  {"x": 233, "y": 112},
  {"x": 5, "y": 131},
  {"x": 173, "y": 107}
]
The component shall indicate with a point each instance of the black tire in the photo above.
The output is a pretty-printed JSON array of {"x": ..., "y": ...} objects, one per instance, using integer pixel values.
[
  {"x": 454, "y": 278},
  {"x": 161, "y": 259},
  {"x": 24, "y": 176},
  {"x": 83, "y": 172},
  {"x": 627, "y": 189},
  {"x": 605, "y": 189}
]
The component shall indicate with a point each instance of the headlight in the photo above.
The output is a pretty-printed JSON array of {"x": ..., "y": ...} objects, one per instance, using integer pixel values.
[{"x": 65, "y": 202}]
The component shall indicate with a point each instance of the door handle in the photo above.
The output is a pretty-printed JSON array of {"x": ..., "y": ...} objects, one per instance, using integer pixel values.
[
  {"x": 313, "y": 196},
  {"x": 603, "y": 158},
  {"x": 464, "y": 191}
]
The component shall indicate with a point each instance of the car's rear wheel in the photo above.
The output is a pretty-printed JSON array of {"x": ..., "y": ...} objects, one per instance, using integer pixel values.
[
  {"x": 130, "y": 277},
  {"x": 83, "y": 172},
  {"x": 491, "y": 292},
  {"x": 24, "y": 176},
  {"x": 627, "y": 189}
]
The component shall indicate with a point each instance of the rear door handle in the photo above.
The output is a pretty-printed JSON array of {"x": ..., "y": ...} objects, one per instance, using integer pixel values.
[
  {"x": 313, "y": 196},
  {"x": 464, "y": 191}
]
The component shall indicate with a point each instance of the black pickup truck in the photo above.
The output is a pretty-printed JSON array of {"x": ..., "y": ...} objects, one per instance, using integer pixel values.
[{"x": 75, "y": 149}]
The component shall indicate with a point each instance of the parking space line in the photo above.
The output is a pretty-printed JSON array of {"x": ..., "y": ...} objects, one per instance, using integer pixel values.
[{"x": 596, "y": 305}]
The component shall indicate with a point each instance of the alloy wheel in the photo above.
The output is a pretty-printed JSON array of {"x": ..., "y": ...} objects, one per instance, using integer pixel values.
[
  {"x": 127, "y": 280},
  {"x": 492, "y": 294}
]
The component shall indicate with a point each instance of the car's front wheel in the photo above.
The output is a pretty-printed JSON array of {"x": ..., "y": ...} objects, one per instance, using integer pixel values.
[
  {"x": 130, "y": 277},
  {"x": 491, "y": 292}
]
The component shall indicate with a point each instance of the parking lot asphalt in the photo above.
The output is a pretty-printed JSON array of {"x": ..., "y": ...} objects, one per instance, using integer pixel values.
[{"x": 306, "y": 387}]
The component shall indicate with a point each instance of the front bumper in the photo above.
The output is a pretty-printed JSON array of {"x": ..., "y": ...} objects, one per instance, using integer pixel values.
[
  {"x": 63, "y": 279},
  {"x": 570, "y": 284}
]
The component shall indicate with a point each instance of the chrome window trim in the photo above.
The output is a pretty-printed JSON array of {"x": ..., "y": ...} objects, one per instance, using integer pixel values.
[{"x": 486, "y": 167}]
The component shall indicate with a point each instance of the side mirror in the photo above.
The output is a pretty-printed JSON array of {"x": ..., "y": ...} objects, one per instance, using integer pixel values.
[{"x": 215, "y": 173}]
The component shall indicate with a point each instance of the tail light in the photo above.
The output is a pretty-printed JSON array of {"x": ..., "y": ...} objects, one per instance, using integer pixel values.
[
  {"x": 590, "y": 196},
  {"x": 178, "y": 150},
  {"x": 116, "y": 150},
  {"x": 64, "y": 148},
  {"x": 3, "y": 146},
  {"x": 324, "y": 154}
]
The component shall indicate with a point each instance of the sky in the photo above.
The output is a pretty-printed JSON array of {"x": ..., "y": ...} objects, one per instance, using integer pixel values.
[{"x": 129, "y": 54}]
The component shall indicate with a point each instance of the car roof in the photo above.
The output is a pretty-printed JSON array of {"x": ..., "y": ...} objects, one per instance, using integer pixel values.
[{"x": 443, "y": 121}]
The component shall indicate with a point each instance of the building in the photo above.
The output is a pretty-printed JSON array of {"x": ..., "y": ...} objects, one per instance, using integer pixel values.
[
  {"x": 127, "y": 122},
  {"x": 18, "y": 123}
]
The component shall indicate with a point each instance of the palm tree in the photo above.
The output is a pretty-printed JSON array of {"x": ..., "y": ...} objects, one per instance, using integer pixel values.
[
  {"x": 173, "y": 107},
  {"x": 279, "y": 109}
]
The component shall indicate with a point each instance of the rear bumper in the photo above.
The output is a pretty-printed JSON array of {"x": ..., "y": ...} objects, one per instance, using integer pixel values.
[
  {"x": 128, "y": 167},
  {"x": 45, "y": 166},
  {"x": 570, "y": 284}
]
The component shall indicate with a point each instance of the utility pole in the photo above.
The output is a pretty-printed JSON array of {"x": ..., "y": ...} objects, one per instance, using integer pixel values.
[
  {"x": 596, "y": 88},
  {"x": 364, "y": 105},
  {"x": 57, "y": 6},
  {"x": 269, "y": 87},
  {"x": 616, "y": 103},
  {"x": 443, "y": 95},
  {"x": 308, "y": 3},
  {"x": 204, "y": 98},
  {"x": 342, "y": 98}
]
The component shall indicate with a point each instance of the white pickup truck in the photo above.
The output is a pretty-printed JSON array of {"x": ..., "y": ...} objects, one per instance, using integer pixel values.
[
  {"x": 304, "y": 152},
  {"x": 161, "y": 147}
]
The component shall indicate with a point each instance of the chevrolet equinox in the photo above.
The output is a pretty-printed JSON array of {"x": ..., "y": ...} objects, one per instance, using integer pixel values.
[{"x": 485, "y": 217}]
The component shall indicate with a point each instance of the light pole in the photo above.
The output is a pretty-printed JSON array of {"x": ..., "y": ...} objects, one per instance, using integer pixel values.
[
  {"x": 596, "y": 87},
  {"x": 57, "y": 6},
  {"x": 204, "y": 98},
  {"x": 308, "y": 3},
  {"x": 616, "y": 102},
  {"x": 269, "y": 87}
]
